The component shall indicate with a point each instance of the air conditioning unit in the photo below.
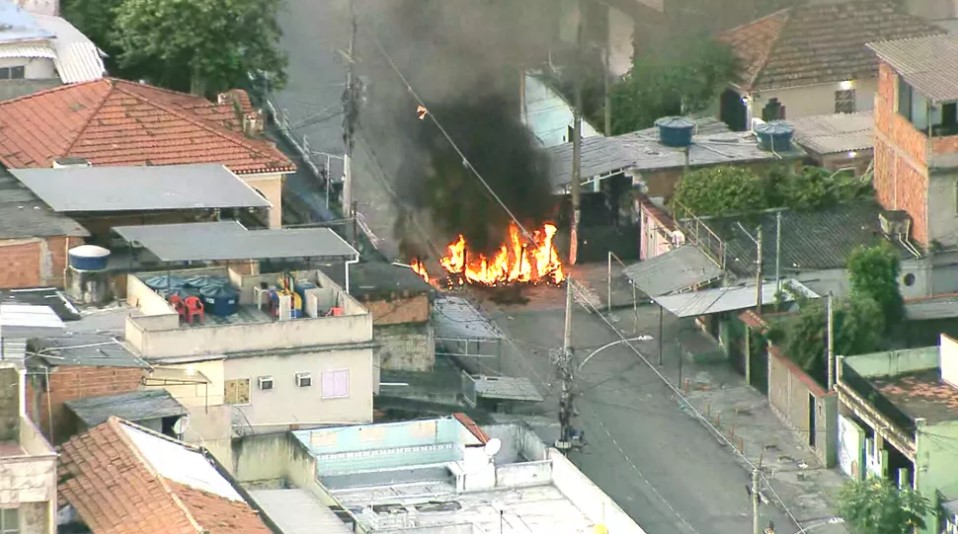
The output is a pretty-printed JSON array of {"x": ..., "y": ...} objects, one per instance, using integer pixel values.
[
  {"x": 895, "y": 223},
  {"x": 678, "y": 238},
  {"x": 265, "y": 382},
  {"x": 304, "y": 380}
]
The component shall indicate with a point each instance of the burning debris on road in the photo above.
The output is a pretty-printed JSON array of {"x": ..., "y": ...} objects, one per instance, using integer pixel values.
[{"x": 517, "y": 261}]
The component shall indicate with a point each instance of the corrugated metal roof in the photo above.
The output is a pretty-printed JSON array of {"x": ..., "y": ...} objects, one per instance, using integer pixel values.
[
  {"x": 24, "y": 320},
  {"x": 926, "y": 63},
  {"x": 32, "y": 50},
  {"x": 725, "y": 299},
  {"x": 837, "y": 133},
  {"x": 77, "y": 58},
  {"x": 23, "y": 215},
  {"x": 140, "y": 188},
  {"x": 133, "y": 406},
  {"x": 229, "y": 240},
  {"x": 673, "y": 271},
  {"x": 457, "y": 318},
  {"x": 297, "y": 511}
]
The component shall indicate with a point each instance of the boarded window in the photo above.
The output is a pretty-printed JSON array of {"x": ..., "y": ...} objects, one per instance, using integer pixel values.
[
  {"x": 237, "y": 391},
  {"x": 335, "y": 384},
  {"x": 845, "y": 101}
]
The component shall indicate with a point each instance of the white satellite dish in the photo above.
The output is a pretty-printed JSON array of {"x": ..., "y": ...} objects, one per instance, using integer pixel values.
[
  {"x": 181, "y": 425},
  {"x": 492, "y": 447}
]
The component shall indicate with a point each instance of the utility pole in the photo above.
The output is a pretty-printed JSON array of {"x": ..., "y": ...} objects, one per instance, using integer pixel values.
[
  {"x": 607, "y": 105},
  {"x": 564, "y": 367},
  {"x": 831, "y": 342},
  {"x": 758, "y": 271},
  {"x": 756, "y": 501},
  {"x": 778, "y": 251},
  {"x": 576, "y": 184},
  {"x": 349, "y": 105}
]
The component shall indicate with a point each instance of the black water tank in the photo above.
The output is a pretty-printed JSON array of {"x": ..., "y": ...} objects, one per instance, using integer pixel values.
[{"x": 675, "y": 131}]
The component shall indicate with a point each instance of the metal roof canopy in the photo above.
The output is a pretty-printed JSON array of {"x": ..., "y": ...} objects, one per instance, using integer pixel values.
[
  {"x": 140, "y": 188},
  {"x": 25, "y": 321},
  {"x": 725, "y": 299},
  {"x": 297, "y": 511},
  {"x": 230, "y": 240},
  {"x": 133, "y": 406},
  {"x": 924, "y": 63},
  {"x": 673, "y": 271}
]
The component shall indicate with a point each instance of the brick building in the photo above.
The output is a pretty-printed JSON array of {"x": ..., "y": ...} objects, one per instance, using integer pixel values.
[{"x": 916, "y": 141}]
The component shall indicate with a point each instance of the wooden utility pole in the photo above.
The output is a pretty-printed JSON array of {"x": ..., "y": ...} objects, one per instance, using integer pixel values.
[
  {"x": 778, "y": 251},
  {"x": 607, "y": 105},
  {"x": 565, "y": 374},
  {"x": 831, "y": 342},
  {"x": 758, "y": 272},
  {"x": 349, "y": 103},
  {"x": 576, "y": 185}
]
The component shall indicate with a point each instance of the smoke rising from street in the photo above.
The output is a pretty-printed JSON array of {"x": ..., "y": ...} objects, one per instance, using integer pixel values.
[{"x": 464, "y": 59}]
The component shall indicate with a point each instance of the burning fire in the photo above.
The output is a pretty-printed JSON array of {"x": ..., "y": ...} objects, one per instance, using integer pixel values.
[
  {"x": 420, "y": 269},
  {"x": 516, "y": 261}
]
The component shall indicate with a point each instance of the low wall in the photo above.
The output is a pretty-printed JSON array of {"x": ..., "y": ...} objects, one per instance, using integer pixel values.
[
  {"x": 405, "y": 347},
  {"x": 792, "y": 394},
  {"x": 588, "y": 498},
  {"x": 524, "y": 474}
]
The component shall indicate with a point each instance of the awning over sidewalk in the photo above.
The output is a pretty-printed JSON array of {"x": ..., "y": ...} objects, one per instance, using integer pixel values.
[
  {"x": 725, "y": 299},
  {"x": 678, "y": 269}
]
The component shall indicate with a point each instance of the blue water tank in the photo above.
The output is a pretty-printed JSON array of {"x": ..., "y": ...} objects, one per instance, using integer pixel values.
[
  {"x": 220, "y": 301},
  {"x": 675, "y": 131},
  {"x": 775, "y": 136},
  {"x": 88, "y": 258}
]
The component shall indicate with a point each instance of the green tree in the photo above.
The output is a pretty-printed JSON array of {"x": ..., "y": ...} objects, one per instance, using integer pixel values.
[
  {"x": 95, "y": 18},
  {"x": 718, "y": 191},
  {"x": 204, "y": 46},
  {"x": 874, "y": 274},
  {"x": 877, "y": 506},
  {"x": 682, "y": 77}
]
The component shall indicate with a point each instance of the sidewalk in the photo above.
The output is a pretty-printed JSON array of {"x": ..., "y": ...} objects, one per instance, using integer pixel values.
[{"x": 742, "y": 420}]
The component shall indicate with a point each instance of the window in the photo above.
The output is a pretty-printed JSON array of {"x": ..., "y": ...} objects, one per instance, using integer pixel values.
[
  {"x": 335, "y": 384},
  {"x": 304, "y": 380},
  {"x": 845, "y": 101},
  {"x": 236, "y": 391},
  {"x": 265, "y": 382},
  {"x": 12, "y": 73},
  {"x": 9, "y": 521}
]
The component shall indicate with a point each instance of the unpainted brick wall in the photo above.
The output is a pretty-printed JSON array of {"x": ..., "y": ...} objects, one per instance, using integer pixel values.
[
  {"x": 34, "y": 262},
  {"x": 399, "y": 310},
  {"x": 71, "y": 382},
  {"x": 406, "y": 347}
]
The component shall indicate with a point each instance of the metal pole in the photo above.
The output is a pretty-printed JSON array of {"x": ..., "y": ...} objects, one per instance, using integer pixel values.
[
  {"x": 756, "y": 500},
  {"x": 329, "y": 174},
  {"x": 608, "y": 98},
  {"x": 758, "y": 272},
  {"x": 608, "y": 280},
  {"x": 349, "y": 103},
  {"x": 778, "y": 251},
  {"x": 576, "y": 184},
  {"x": 661, "y": 320},
  {"x": 567, "y": 336},
  {"x": 831, "y": 343}
]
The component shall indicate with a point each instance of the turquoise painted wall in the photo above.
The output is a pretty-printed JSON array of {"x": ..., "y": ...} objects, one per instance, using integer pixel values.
[
  {"x": 895, "y": 362},
  {"x": 937, "y": 464}
]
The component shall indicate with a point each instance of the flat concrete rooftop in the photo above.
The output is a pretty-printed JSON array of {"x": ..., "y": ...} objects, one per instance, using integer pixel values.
[
  {"x": 921, "y": 395},
  {"x": 527, "y": 509}
]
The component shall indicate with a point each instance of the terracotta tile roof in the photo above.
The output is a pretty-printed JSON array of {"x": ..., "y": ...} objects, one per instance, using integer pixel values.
[
  {"x": 115, "y": 489},
  {"x": 116, "y": 122},
  {"x": 815, "y": 44},
  {"x": 471, "y": 425}
]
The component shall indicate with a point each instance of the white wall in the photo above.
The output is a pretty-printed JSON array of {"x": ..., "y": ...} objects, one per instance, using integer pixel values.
[
  {"x": 814, "y": 99},
  {"x": 35, "y": 68},
  {"x": 548, "y": 115},
  {"x": 621, "y": 49},
  {"x": 948, "y": 359},
  {"x": 287, "y": 404}
]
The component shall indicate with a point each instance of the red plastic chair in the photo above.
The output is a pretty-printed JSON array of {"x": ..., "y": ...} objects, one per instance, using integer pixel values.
[
  {"x": 177, "y": 302},
  {"x": 194, "y": 308},
  {"x": 334, "y": 312}
]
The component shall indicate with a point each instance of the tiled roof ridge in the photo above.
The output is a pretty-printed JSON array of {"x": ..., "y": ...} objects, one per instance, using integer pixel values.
[
  {"x": 943, "y": 35},
  {"x": 94, "y": 113},
  {"x": 207, "y": 125},
  {"x": 114, "y": 423},
  {"x": 767, "y": 53}
]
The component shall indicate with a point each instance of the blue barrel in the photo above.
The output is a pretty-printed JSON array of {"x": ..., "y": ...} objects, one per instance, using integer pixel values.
[
  {"x": 675, "y": 131},
  {"x": 775, "y": 136},
  {"x": 220, "y": 300},
  {"x": 88, "y": 258}
]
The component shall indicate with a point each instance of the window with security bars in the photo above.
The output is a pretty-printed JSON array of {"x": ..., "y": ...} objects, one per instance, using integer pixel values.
[
  {"x": 845, "y": 101},
  {"x": 9, "y": 521},
  {"x": 236, "y": 391}
]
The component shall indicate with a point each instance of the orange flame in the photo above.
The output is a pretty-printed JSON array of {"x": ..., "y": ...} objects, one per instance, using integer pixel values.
[
  {"x": 419, "y": 268},
  {"x": 516, "y": 260}
]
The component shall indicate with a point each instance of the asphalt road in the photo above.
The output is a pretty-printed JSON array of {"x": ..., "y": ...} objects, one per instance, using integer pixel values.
[{"x": 660, "y": 465}]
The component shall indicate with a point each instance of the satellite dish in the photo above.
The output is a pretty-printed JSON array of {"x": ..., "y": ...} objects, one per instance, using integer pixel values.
[
  {"x": 181, "y": 425},
  {"x": 493, "y": 446}
]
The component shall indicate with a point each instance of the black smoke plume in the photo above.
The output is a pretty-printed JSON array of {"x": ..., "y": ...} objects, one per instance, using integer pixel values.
[{"x": 464, "y": 59}]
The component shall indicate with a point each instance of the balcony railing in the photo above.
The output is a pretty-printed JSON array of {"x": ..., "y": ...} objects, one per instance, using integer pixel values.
[{"x": 868, "y": 392}]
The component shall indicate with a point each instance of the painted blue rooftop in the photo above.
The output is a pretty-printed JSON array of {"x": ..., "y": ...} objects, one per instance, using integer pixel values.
[{"x": 18, "y": 25}]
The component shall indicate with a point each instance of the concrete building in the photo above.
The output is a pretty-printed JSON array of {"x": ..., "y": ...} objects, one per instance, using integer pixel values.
[
  {"x": 436, "y": 475},
  {"x": 899, "y": 419},
  {"x": 41, "y": 50},
  {"x": 811, "y": 60},
  {"x": 547, "y": 114},
  {"x": 28, "y": 479},
  {"x": 249, "y": 371}
]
